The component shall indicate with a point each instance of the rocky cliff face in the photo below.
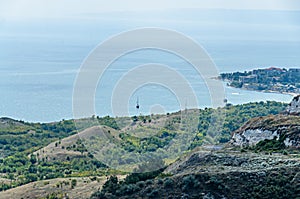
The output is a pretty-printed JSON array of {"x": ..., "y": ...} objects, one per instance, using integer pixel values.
[
  {"x": 284, "y": 128},
  {"x": 294, "y": 107},
  {"x": 251, "y": 137}
]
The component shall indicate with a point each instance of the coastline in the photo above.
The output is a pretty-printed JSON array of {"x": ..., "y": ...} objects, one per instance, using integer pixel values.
[
  {"x": 267, "y": 80},
  {"x": 265, "y": 91},
  {"x": 227, "y": 83}
]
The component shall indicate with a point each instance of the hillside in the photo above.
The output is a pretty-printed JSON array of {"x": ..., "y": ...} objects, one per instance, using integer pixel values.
[
  {"x": 262, "y": 160},
  {"x": 283, "y": 128},
  {"x": 273, "y": 131},
  {"x": 71, "y": 147},
  {"x": 35, "y": 152},
  {"x": 221, "y": 174},
  {"x": 59, "y": 187}
]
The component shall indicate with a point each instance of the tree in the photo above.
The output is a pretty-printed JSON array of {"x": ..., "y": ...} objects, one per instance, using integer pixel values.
[
  {"x": 31, "y": 177},
  {"x": 73, "y": 183},
  {"x": 111, "y": 185},
  {"x": 33, "y": 159},
  {"x": 11, "y": 177}
]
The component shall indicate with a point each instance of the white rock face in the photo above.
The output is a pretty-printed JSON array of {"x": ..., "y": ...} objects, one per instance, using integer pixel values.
[
  {"x": 294, "y": 106},
  {"x": 251, "y": 133},
  {"x": 288, "y": 142},
  {"x": 251, "y": 137},
  {"x": 292, "y": 143}
]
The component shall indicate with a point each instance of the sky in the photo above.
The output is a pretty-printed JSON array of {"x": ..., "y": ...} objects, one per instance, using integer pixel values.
[{"x": 36, "y": 9}]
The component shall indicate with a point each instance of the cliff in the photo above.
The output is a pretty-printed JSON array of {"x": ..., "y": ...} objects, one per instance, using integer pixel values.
[
  {"x": 283, "y": 129},
  {"x": 294, "y": 107}
]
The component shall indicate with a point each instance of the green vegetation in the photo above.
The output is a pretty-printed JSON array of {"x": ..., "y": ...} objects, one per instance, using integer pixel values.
[
  {"x": 18, "y": 136},
  {"x": 216, "y": 125},
  {"x": 271, "y": 145},
  {"x": 134, "y": 182},
  {"x": 18, "y": 141},
  {"x": 149, "y": 144},
  {"x": 275, "y": 183}
]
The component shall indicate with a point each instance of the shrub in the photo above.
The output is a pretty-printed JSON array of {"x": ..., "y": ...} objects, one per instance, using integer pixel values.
[
  {"x": 111, "y": 185},
  {"x": 168, "y": 183},
  {"x": 140, "y": 184},
  {"x": 160, "y": 181},
  {"x": 153, "y": 193},
  {"x": 127, "y": 189},
  {"x": 73, "y": 183},
  {"x": 149, "y": 182},
  {"x": 148, "y": 190},
  {"x": 189, "y": 182}
]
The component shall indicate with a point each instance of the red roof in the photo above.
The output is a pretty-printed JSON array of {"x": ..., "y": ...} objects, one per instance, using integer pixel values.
[{"x": 274, "y": 68}]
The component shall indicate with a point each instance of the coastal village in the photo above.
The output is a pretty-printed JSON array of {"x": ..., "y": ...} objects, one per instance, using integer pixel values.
[{"x": 271, "y": 79}]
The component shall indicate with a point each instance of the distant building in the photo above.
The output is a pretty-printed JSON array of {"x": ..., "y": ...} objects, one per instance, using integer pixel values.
[
  {"x": 259, "y": 72},
  {"x": 248, "y": 79},
  {"x": 269, "y": 71},
  {"x": 295, "y": 72},
  {"x": 274, "y": 71}
]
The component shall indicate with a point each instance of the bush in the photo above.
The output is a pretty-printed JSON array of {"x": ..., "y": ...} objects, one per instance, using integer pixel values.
[
  {"x": 149, "y": 182},
  {"x": 168, "y": 183},
  {"x": 73, "y": 183},
  {"x": 111, "y": 185},
  {"x": 136, "y": 177},
  {"x": 160, "y": 181},
  {"x": 189, "y": 182},
  {"x": 153, "y": 193},
  {"x": 140, "y": 184},
  {"x": 127, "y": 189},
  {"x": 148, "y": 190}
]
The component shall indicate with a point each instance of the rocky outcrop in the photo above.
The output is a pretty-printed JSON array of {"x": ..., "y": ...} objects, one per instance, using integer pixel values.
[
  {"x": 253, "y": 136},
  {"x": 283, "y": 128},
  {"x": 294, "y": 107}
]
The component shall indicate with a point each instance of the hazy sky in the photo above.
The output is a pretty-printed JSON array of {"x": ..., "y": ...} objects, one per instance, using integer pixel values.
[{"x": 31, "y": 9}]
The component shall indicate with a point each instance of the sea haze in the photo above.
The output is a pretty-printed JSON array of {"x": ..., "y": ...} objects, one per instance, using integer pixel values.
[{"x": 39, "y": 59}]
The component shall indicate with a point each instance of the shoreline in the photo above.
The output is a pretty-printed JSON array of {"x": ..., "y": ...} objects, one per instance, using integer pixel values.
[
  {"x": 261, "y": 91},
  {"x": 264, "y": 91}
]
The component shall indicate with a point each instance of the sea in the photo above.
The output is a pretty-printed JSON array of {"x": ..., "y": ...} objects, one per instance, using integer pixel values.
[{"x": 40, "y": 58}]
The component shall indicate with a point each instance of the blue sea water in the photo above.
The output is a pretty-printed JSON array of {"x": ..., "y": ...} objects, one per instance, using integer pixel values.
[{"x": 40, "y": 59}]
